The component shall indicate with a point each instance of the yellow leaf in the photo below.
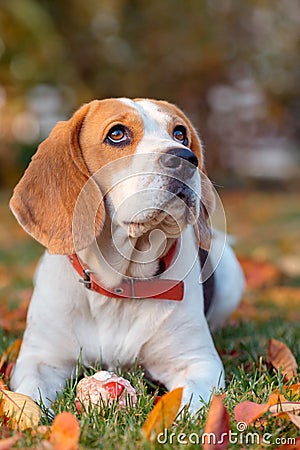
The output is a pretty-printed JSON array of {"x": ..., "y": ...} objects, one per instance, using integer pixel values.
[
  {"x": 23, "y": 411},
  {"x": 65, "y": 432},
  {"x": 163, "y": 414},
  {"x": 280, "y": 356}
]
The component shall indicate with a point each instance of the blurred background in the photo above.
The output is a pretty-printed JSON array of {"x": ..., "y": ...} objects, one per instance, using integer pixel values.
[{"x": 232, "y": 66}]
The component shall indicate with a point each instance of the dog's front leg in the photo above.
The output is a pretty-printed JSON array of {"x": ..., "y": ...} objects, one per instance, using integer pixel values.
[
  {"x": 37, "y": 378},
  {"x": 50, "y": 349},
  {"x": 185, "y": 356},
  {"x": 199, "y": 379}
]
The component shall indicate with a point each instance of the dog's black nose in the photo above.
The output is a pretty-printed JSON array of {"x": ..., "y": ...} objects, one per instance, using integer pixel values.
[{"x": 174, "y": 160}]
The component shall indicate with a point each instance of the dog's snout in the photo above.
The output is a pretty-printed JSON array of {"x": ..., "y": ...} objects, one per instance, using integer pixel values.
[{"x": 179, "y": 160}]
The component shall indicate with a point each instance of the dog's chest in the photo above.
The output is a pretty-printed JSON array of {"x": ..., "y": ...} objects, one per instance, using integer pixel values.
[{"x": 114, "y": 331}]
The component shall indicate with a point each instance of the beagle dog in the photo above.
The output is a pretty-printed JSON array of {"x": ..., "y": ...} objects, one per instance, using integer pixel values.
[{"x": 133, "y": 272}]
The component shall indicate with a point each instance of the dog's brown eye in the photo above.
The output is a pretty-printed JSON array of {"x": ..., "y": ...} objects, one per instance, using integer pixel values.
[
  {"x": 117, "y": 134},
  {"x": 179, "y": 134}
]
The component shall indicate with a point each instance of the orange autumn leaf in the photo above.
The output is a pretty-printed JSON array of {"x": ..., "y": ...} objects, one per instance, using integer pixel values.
[
  {"x": 281, "y": 357},
  {"x": 248, "y": 412},
  {"x": 217, "y": 425},
  {"x": 290, "y": 389},
  {"x": 65, "y": 432},
  {"x": 293, "y": 389},
  {"x": 163, "y": 414},
  {"x": 276, "y": 398}
]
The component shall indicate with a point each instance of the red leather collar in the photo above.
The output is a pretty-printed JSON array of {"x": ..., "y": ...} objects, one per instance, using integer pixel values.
[{"x": 134, "y": 288}]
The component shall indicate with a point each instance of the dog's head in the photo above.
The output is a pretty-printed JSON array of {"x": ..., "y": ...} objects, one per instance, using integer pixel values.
[{"x": 139, "y": 161}]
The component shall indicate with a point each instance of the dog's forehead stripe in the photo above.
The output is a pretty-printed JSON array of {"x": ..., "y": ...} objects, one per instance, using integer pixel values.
[{"x": 155, "y": 121}]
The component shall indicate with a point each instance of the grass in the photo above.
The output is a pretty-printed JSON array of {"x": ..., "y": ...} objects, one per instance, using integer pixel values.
[{"x": 268, "y": 227}]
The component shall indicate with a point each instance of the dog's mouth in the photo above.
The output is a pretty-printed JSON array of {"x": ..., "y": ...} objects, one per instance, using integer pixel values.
[{"x": 172, "y": 214}]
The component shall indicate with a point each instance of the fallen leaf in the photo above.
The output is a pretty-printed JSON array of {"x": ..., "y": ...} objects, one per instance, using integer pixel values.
[
  {"x": 248, "y": 412},
  {"x": 217, "y": 425},
  {"x": 293, "y": 389},
  {"x": 7, "y": 443},
  {"x": 156, "y": 400},
  {"x": 286, "y": 407},
  {"x": 163, "y": 414},
  {"x": 295, "y": 419},
  {"x": 65, "y": 432},
  {"x": 21, "y": 409},
  {"x": 281, "y": 357},
  {"x": 276, "y": 398}
]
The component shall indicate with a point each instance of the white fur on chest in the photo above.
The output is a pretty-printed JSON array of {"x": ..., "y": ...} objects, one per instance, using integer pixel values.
[{"x": 109, "y": 330}]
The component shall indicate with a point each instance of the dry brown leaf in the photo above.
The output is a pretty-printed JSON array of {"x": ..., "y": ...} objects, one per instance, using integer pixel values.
[
  {"x": 163, "y": 414},
  {"x": 281, "y": 357},
  {"x": 217, "y": 425},
  {"x": 285, "y": 407},
  {"x": 287, "y": 410},
  {"x": 295, "y": 419},
  {"x": 65, "y": 432},
  {"x": 7, "y": 443},
  {"x": 21, "y": 409}
]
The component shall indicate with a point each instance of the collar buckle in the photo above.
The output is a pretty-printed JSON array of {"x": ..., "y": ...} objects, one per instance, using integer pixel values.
[{"x": 86, "y": 278}]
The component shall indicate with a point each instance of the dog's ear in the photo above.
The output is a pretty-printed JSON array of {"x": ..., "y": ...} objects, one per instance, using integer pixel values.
[
  {"x": 207, "y": 207},
  {"x": 207, "y": 203},
  {"x": 45, "y": 198}
]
